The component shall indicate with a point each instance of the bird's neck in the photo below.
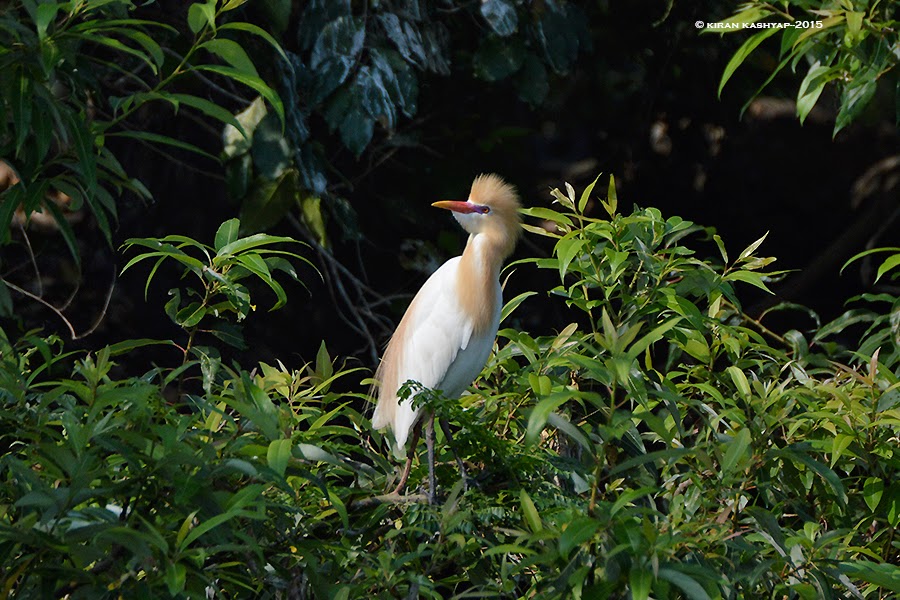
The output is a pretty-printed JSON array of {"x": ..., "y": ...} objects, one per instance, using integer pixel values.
[{"x": 479, "y": 271}]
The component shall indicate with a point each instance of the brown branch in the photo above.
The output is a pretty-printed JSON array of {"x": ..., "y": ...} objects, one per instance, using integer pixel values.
[{"x": 45, "y": 303}]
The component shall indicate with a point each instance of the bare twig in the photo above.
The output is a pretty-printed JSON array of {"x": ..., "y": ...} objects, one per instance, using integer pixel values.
[
  {"x": 207, "y": 81},
  {"x": 102, "y": 315},
  {"x": 352, "y": 296},
  {"x": 33, "y": 259},
  {"x": 390, "y": 499},
  {"x": 59, "y": 312},
  {"x": 37, "y": 298}
]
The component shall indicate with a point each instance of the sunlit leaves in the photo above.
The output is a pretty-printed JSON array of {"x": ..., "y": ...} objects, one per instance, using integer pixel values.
[
  {"x": 82, "y": 45},
  {"x": 662, "y": 444},
  {"x": 845, "y": 45}
]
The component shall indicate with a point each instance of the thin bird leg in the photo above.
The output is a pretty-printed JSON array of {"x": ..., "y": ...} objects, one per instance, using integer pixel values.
[
  {"x": 445, "y": 427},
  {"x": 410, "y": 453},
  {"x": 429, "y": 443}
]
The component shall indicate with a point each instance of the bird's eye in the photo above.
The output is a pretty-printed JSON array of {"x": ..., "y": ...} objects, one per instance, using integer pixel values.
[{"x": 485, "y": 210}]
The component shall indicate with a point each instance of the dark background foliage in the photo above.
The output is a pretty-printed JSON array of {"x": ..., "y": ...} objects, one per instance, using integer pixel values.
[
  {"x": 645, "y": 425},
  {"x": 633, "y": 93}
]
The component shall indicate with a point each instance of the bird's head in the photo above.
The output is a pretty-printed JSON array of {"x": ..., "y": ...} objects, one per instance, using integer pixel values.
[{"x": 492, "y": 209}]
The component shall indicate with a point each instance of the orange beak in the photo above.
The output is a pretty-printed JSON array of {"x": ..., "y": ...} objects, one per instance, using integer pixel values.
[{"x": 457, "y": 206}]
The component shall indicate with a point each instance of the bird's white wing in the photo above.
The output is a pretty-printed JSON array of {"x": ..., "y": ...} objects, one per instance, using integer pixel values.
[{"x": 433, "y": 345}]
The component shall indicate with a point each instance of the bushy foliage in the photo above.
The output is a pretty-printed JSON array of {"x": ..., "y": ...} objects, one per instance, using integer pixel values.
[
  {"x": 664, "y": 444},
  {"x": 74, "y": 76},
  {"x": 851, "y": 44},
  {"x": 356, "y": 70}
]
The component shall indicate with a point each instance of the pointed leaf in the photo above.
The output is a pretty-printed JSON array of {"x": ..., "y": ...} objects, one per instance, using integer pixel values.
[
  {"x": 227, "y": 233},
  {"x": 742, "y": 53}
]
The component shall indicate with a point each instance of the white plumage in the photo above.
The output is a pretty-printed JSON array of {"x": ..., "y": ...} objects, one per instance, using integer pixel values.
[{"x": 447, "y": 333}]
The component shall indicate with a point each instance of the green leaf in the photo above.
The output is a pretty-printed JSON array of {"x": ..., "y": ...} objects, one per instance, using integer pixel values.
[
  {"x": 127, "y": 346},
  {"x": 751, "y": 14},
  {"x": 811, "y": 88},
  {"x": 540, "y": 212},
  {"x": 155, "y": 138},
  {"x": 278, "y": 455},
  {"x": 324, "y": 368},
  {"x": 250, "y": 81},
  {"x": 586, "y": 194},
  {"x": 176, "y": 575},
  {"x": 501, "y": 16},
  {"x": 881, "y": 574},
  {"x": 739, "y": 380},
  {"x": 232, "y": 53},
  {"x": 855, "y": 96},
  {"x": 529, "y": 512},
  {"x": 718, "y": 239},
  {"x": 44, "y": 16},
  {"x": 742, "y": 53},
  {"x": 227, "y": 233},
  {"x": 257, "y": 31},
  {"x": 205, "y": 527},
  {"x": 639, "y": 581},
  {"x": 754, "y": 279},
  {"x": 865, "y": 253},
  {"x": 376, "y": 100},
  {"x": 576, "y": 533},
  {"x": 893, "y": 504},
  {"x": 749, "y": 250},
  {"x": 612, "y": 200},
  {"x": 691, "y": 588},
  {"x": 840, "y": 443},
  {"x": 150, "y": 46},
  {"x": 538, "y": 417},
  {"x": 829, "y": 476},
  {"x": 344, "y": 38},
  {"x": 532, "y": 83},
  {"x": 566, "y": 250},
  {"x": 737, "y": 450},
  {"x": 233, "y": 4},
  {"x": 201, "y": 15},
  {"x": 269, "y": 201},
  {"x": 650, "y": 338},
  {"x": 252, "y": 241},
  {"x": 190, "y": 315},
  {"x": 890, "y": 263},
  {"x": 230, "y": 333},
  {"x": 873, "y": 490},
  {"x": 511, "y": 306}
]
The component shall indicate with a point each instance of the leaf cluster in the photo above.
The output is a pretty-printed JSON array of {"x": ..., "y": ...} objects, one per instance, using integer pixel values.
[
  {"x": 74, "y": 76},
  {"x": 851, "y": 44},
  {"x": 663, "y": 444}
]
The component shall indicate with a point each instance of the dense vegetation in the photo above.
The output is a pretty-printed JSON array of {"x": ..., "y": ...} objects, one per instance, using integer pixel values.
[{"x": 663, "y": 442}]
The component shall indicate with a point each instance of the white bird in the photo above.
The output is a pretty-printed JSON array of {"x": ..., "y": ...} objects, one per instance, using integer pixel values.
[{"x": 444, "y": 339}]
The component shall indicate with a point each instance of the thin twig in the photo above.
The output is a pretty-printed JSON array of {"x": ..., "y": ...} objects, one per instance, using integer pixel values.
[
  {"x": 207, "y": 81},
  {"x": 102, "y": 315},
  {"x": 33, "y": 259},
  {"x": 45, "y": 303},
  {"x": 353, "y": 298},
  {"x": 59, "y": 313}
]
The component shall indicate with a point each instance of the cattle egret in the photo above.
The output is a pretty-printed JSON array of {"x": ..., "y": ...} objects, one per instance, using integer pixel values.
[{"x": 446, "y": 335}]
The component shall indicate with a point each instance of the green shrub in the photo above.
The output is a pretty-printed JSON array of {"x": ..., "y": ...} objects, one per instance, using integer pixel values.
[{"x": 664, "y": 444}]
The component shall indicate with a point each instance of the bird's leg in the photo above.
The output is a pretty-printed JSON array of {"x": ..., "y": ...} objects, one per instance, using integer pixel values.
[
  {"x": 445, "y": 427},
  {"x": 429, "y": 443},
  {"x": 410, "y": 453}
]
